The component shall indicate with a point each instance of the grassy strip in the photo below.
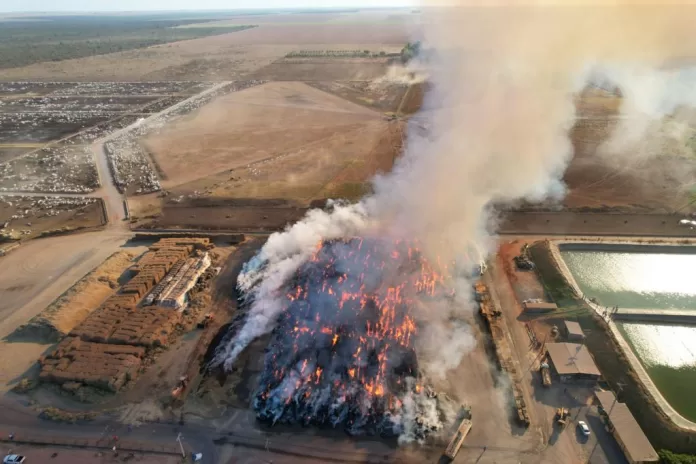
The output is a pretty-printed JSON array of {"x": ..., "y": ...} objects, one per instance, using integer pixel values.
[{"x": 615, "y": 368}]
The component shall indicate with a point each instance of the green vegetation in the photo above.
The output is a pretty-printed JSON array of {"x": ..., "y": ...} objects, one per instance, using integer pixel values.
[
  {"x": 554, "y": 283},
  {"x": 668, "y": 457},
  {"x": 28, "y": 40},
  {"x": 410, "y": 51},
  {"x": 336, "y": 54}
]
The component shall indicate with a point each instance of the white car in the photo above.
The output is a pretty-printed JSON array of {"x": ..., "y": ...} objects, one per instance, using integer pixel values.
[
  {"x": 584, "y": 428},
  {"x": 13, "y": 459}
]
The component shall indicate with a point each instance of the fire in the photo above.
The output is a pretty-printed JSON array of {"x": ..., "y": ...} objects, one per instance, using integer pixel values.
[{"x": 344, "y": 344}]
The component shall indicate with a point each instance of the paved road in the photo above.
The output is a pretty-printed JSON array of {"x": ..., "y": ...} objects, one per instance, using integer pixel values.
[{"x": 594, "y": 224}]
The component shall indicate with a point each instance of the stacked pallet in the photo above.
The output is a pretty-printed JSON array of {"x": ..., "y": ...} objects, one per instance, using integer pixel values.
[{"x": 100, "y": 365}]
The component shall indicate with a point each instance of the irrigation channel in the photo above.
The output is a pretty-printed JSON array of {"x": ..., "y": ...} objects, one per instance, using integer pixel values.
[{"x": 648, "y": 283}]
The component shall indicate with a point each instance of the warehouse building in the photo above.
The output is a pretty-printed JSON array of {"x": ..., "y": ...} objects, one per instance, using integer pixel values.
[
  {"x": 626, "y": 430},
  {"x": 572, "y": 362}
]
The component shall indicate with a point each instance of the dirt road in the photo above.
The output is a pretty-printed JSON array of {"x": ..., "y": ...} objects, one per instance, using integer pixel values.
[
  {"x": 34, "y": 275},
  {"x": 113, "y": 200}
]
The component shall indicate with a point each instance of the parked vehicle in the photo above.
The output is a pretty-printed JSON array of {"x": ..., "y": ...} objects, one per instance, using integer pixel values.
[
  {"x": 584, "y": 429},
  {"x": 13, "y": 459}
]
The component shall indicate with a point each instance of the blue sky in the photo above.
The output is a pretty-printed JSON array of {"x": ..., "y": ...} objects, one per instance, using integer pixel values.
[{"x": 152, "y": 5}]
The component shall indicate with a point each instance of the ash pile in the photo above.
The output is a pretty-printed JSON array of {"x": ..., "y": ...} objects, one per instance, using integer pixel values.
[{"x": 342, "y": 353}]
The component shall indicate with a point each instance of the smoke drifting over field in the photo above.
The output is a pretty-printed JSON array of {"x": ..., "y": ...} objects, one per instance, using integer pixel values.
[{"x": 497, "y": 119}]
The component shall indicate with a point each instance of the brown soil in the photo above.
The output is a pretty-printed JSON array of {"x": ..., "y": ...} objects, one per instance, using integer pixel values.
[
  {"x": 322, "y": 70},
  {"x": 81, "y": 299},
  {"x": 413, "y": 100},
  {"x": 279, "y": 140},
  {"x": 385, "y": 98},
  {"x": 38, "y": 223},
  {"x": 251, "y": 219}
]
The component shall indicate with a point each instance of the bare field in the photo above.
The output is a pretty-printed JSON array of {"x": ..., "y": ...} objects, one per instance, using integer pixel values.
[
  {"x": 354, "y": 69},
  {"x": 81, "y": 299},
  {"x": 385, "y": 98},
  {"x": 227, "y": 56},
  {"x": 655, "y": 184},
  {"x": 279, "y": 140}
]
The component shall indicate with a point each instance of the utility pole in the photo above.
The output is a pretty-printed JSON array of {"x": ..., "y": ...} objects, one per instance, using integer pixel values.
[{"x": 178, "y": 439}]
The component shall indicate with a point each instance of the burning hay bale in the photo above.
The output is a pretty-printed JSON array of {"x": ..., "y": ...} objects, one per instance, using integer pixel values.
[{"x": 343, "y": 351}]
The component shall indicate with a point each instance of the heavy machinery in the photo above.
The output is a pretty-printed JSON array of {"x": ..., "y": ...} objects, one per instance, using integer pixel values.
[
  {"x": 207, "y": 319},
  {"x": 458, "y": 438},
  {"x": 562, "y": 417},
  {"x": 522, "y": 262},
  {"x": 545, "y": 374}
]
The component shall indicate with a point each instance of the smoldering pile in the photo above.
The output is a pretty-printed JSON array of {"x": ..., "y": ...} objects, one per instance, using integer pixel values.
[{"x": 342, "y": 350}]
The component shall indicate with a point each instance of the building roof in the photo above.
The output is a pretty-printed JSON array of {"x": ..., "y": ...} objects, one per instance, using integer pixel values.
[
  {"x": 571, "y": 358},
  {"x": 636, "y": 444},
  {"x": 539, "y": 305},
  {"x": 574, "y": 328}
]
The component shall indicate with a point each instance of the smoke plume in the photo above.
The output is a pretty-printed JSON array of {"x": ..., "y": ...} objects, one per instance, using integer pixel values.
[{"x": 503, "y": 80}]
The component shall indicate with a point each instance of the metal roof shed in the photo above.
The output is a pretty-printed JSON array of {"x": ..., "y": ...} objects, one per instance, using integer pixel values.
[
  {"x": 573, "y": 331},
  {"x": 626, "y": 430},
  {"x": 572, "y": 359}
]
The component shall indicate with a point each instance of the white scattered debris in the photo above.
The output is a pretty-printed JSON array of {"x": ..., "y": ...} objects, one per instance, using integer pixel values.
[{"x": 51, "y": 170}]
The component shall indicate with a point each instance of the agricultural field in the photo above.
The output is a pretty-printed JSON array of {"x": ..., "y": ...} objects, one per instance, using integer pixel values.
[
  {"x": 596, "y": 181},
  {"x": 24, "y": 217},
  {"x": 46, "y": 129},
  {"x": 266, "y": 153}
]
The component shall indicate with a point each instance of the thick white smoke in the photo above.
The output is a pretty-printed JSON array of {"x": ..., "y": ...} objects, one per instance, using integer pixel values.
[{"x": 503, "y": 81}]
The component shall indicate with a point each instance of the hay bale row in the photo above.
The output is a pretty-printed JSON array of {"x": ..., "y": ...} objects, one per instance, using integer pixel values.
[
  {"x": 100, "y": 365},
  {"x": 199, "y": 243},
  {"x": 150, "y": 326}
]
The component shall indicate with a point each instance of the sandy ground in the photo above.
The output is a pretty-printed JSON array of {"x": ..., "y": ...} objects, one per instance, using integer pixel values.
[
  {"x": 279, "y": 140},
  {"x": 85, "y": 296},
  {"x": 250, "y": 126},
  {"x": 34, "y": 275},
  {"x": 227, "y": 56}
]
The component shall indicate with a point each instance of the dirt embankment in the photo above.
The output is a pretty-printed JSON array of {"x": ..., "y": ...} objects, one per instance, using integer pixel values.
[
  {"x": 79, "y": 301},
  {"x": 615, "y": 367}
]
